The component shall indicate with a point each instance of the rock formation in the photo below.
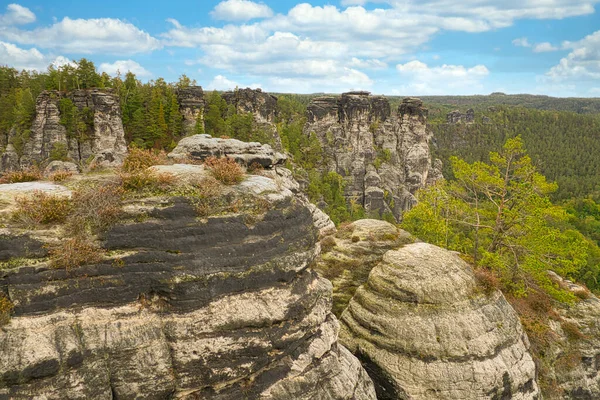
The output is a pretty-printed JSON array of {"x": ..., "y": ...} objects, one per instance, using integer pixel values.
[
  {"x": 199, "y": 147},
  {"x": 424, "y": 329},
  {"x": 348, "y": 256},
  {"x": 456, "y": 117},
  {"x": 223, "y": 306},
  {"x": 383, "y": 156},
  {"x": 262, "y": 106},
  {"x": 191, "y": 105},
  {"x": 105, "y": 144},
  {"x": 573, "y": 358}
]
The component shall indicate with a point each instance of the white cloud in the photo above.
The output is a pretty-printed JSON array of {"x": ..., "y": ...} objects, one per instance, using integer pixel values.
[
  {"x": 20, "y": 58},
  {"x": 124, "y": 66},
  {"x": 240, "y": 10},
  {"x": 221, "y": 82},
  {"x": 583, "y": 62},
  {"x": 521, "y": 42},
  {"x": 452, "y": 79},
  {"x": 544, "y": 47},
  {"x": 86, "y": 36},
  {"x": 61, "y": 61},
  {"x": 16, "y": 15},
  {"x": 367, "y": 64}
]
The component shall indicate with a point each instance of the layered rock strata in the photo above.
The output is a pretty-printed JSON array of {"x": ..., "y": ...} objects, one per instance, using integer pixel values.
[
  {"x": 218, "y": 307},
  {"x": 103, "y": 144},
  {"x": 261, "y": 105},
  {"x": 383, "y": 156},
  {"x": 348, "y": 256},
  {"x": 191, "y": 105},
  {"x": 424, "y": 329}
]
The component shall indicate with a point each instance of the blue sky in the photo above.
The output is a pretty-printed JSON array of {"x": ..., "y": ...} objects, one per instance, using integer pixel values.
[{"x": 395, "y": 47}]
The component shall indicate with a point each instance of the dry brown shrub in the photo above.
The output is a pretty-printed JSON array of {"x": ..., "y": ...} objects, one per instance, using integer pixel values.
[
  {"x": 487, "y": 279},
  {"x": 571, "y": 330},
  {"x": 74, "y": 252},
  {"x": 327, "y": 243},
  {"x": 60, "y": 176},
  {"x": 27, "y": 175},
  {"x": 6, "y": 307},
  {"x": 225, "y": 170},
  {"x": 41, "y": 208},
  {"x": 147, "y": 180},
  {"x": 255, "y": 168},
  {"x": 95, "y": 208},
  {"x": 140, "y": 159}
]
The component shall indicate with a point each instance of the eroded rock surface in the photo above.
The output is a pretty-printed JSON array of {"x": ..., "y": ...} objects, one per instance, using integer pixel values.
[
  {"x": 424, "y": 330},
  {"x": 349, "y": 255},
  {"x": 200, "y": 147},
  {"x": 191, "y": 105},
  {"x": 104, "y": 143},
  {"x": 218, "y": 307},
  {"x": 383, "y": 155}
]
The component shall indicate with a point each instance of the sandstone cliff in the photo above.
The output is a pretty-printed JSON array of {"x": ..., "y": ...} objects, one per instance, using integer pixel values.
[
  {"x": 191, "y": 105},
  {"x": 102, "y": 143},
  {"x": 383, "y": 155},
  {"x": 262, "y": 106},
  {"x": 180, "y": 305}
]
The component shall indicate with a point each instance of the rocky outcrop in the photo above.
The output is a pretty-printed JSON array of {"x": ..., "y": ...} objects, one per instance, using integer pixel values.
[
  {"x": 191, "y": 105},
  {"x": 200, "y": 147},
  {"x": 572, "y": 359},
  {"x": 349, "y": 255},
  {"x": 103, "y": 143},
  {"x": 424, "y": 329},
  {"x": 261, "y": 105},
  {"x": 456, "y": 117},
  {"x": 223, "y": 306},
  {"x": 383, "y": 156}
]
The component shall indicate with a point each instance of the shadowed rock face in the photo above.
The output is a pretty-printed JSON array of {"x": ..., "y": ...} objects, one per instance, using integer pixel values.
[
  {"x": 224, "y": 307},
  {"x": 106, "y": 144},
  {"x": 425, "y": 330},
  {"x": 383, "y": 155},
  {"x": 191, "y": 105}
]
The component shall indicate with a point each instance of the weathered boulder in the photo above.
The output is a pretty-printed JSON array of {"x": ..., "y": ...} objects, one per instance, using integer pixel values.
[
  {"x": 222, "y": 306},
  {"x": 200, "y": 147},
  {"x": 104, "y": 144},
  {"x": 383, "y": 156},
  {"x": 191, "y": 106},
  {"x": 424, "y": 329},
  {"x": 348, "y": 256},
  {"x": 61, "y": 166}
]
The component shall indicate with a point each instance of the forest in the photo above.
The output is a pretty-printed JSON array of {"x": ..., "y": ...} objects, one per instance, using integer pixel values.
[{"x": 558, "y": 150}]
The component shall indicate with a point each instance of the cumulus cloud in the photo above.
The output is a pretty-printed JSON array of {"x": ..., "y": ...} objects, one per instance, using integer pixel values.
[
  {"x": 240, "y": 10},
  {"x": 544, "y": 47},
  {"x": 21, "y": 58},
  {"x": 521, "y": 42},
  {"x": 583, "y": 62},
  {"x": 124, "y": 66},
  {"x": 16, "y": 15},
  {"x": 367, "y": 64},
  {"x": 221, "y": 82},
  {"x": 453, "y": 79},
  {"x": 86, "y": 36}
]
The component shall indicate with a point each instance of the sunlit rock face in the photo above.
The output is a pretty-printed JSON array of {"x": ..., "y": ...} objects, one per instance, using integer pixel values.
[
  {"x": 103, "y": 143},
  {"x": 223, "y": 306},
  {"x": 382, "y": 154},
  {"x": 424, "y": 329}
]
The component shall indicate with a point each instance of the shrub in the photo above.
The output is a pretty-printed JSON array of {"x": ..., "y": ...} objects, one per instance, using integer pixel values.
[
  {"x": 6, "y": 307},
  {"x": 74, "y": 252},
  {"x": 487, "y": 279},
  {"x": 60, "y": 176},
  {"x": 327, "y": 243},
  {"x": 95, "y": 207},
  {"x": 42, "y": 208},
  {"x": 144, "y": 180},
  {"x": 27, "y": 175},
  {"x": 59, "y": 152},
  {"x": 140, "y": 159},
  {"x": 571, "y": 330},
  {"x": 205, "y": 196},
  {"x": 225, "y": 170}
]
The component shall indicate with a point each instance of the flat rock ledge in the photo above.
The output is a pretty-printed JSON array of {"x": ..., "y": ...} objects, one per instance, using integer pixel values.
[
  {"x": 423, "y": 329},
  {"x": 181, "y": 307},
  {"x": 200, "y": 147}
]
